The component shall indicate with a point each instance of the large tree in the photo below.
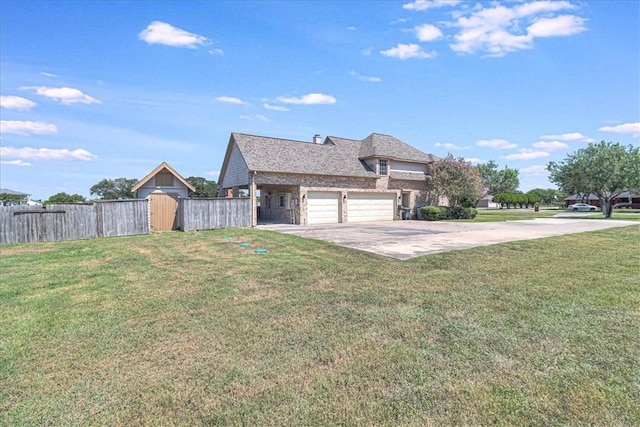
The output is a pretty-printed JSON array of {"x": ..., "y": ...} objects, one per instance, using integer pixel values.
[
  {"x": 605, "y": 169},
  {"x": 457, "y": 180},
  {"x": 63, "y": 197},
  {"x": 204, "y": 188},
  {"x": 114, "y": 189},
  {"x": 497, "y": 181}
]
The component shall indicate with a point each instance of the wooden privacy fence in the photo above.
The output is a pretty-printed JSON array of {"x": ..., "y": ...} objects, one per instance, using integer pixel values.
[
  {"x": 208, "y": 214},
  {"x": 26, "y": 224}
]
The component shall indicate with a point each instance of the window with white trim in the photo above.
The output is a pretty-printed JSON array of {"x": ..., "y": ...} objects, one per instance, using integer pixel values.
[{"x": 383, "y": 167}]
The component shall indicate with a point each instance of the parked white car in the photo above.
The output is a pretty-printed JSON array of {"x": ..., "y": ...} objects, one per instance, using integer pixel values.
[{"x": 582, "y": 207}]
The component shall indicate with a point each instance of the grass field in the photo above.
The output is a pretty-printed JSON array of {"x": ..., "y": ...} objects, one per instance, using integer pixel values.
[
  {"x": 193, "y": 329},
  {"x": 497, "y": 215}
]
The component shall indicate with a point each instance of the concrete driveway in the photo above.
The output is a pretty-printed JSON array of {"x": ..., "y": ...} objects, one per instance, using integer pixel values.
[{"x": 408, "y": 239}]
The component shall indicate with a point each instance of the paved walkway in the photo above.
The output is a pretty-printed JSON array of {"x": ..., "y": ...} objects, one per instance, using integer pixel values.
[{"x": 409, "y": 239}]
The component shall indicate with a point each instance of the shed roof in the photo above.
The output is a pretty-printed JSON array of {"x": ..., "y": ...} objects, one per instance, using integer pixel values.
[{"x": 160, "y": 167}]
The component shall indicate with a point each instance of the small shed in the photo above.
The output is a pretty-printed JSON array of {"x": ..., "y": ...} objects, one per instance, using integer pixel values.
[
  {"x": 163, "y": 179},
  {"x": 163, "y": 186}
]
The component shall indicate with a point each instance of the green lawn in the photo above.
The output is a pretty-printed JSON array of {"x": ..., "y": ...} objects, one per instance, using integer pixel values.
[
  {"x": 498, "y": 215},
  {"x": 192, "y": 329}
]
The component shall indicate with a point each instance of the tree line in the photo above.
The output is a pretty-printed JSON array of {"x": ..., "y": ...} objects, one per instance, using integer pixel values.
[
  {"x": 115, "y": 189},
  {"x": 605, "y": 170}
]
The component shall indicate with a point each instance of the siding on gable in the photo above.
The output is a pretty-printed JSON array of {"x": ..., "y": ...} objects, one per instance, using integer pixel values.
[
  {"x": 407, "y": 166},
  {"x": 177, "y": 188},
  {"x": 237, "y": 173}
]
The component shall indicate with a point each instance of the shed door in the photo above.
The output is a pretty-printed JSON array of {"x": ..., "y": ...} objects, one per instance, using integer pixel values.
[
  {"x": 363, "y": 207},
  {"x": 163, "y": 211},
  {"x": 323, "y": 207}
]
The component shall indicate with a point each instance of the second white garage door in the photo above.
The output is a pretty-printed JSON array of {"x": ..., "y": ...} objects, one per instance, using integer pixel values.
[
  {"x": 322, "y": 207},
  {"x": 363, "y": 207}
]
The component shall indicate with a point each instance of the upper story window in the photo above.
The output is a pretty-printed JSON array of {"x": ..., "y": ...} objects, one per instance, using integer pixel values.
[
  {"x": 383, "y": 167},
  {"x": 164, "y": 179}
]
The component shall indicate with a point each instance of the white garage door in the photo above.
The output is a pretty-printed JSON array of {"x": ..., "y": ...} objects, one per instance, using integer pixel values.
[
  {"x": 362, "y": 207},
  {"x": 322, "y": 207}
]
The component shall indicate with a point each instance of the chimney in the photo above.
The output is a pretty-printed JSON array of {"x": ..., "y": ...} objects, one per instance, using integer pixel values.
[{"x": 317, "y": 139}]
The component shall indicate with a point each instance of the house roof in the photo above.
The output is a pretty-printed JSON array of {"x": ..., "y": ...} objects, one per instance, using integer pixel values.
[
  {"x": 387, "y": 146},
  {"x": 8, "y": 191},
  {"x": 335, "y": 156},
  {"x": 159, "y": 168}
]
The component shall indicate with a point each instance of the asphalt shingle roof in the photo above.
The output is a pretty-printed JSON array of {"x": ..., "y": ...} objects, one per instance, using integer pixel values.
[
  {"x": 8, "y": 191},
  {"x": 336, "y": 156},
  {"x": 387, "y": 146}
]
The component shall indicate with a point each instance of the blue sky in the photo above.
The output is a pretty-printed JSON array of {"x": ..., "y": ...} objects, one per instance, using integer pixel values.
[{"x": 94, "y": 90}]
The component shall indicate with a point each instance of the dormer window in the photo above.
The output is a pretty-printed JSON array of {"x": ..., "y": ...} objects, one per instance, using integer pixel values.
[{"x": 383, "y": 167}]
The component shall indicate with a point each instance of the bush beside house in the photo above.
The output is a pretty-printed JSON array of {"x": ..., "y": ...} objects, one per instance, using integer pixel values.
[{"x": 439, "y": 213}]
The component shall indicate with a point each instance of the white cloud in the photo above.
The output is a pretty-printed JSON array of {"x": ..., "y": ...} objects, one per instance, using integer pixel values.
[
  {"x": 166, "y": 34},
  {"x": 564, "y": 25},
  {"x": 500, "y": 144},
  {"x": 215, "y": 173},
  {"x": 399, "y": 21},
  {"x": 44, "y": 73},
  {"x": 627, "y": 128},
  {"x": 275, "y": 107},
  {"x": 231, "y": 100},
  {"x": 18, "y": 127},
  {"x": 534, "y": 170},
  {"x": 309, "y": 99},
  {"x": 499, "y": 29},
  {"x": 429, "y": 4},
  {"x": 526, "y": 154},
  {"x": 407, "y": 51},
  {"x": 550, "y": 145},
  {"x": 64, "y": 95},
  {"x": 450, "y": 146},
  {"x": 29, "y": 153},
  {"x": 11, "y": 102},
  {"x": 573, "y": 136},
  {"x": 473, "y": 160},
  {"x": 352, "y": 28},
  {"x": 428, "y": 32},
  {"x": 362, "y": 78},
  {"x": 14, "y": 163},
  {"x": 255, "y": 117},
  {"x": 216, "y": 52}
]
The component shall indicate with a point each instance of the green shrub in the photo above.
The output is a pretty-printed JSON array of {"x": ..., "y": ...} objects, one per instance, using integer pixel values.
[
  {"x": 433, "y": 213},
  {"x": 460, "y": 212},
  {"x": 438, "y": 213}
]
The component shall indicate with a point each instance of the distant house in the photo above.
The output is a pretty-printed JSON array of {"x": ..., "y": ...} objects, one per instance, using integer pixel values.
[
  {"x": 630, "y": 199},
  {"x": 487, "y": 202},
  {"x": 331, "y": 181},
  {"x": 23, "y": 198}
]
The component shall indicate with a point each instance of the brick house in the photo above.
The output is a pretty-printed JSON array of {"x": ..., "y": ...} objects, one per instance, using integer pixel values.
[
  {"x": 332, "y": 181},
  {"x": 626, "y": 199}
]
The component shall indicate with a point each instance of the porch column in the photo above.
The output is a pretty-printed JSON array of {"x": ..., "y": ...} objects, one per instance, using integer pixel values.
[{"x": 254, "y": 203}]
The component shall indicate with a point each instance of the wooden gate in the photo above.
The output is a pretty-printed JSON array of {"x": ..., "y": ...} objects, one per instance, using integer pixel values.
[{"x": 163, "y": 211}]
